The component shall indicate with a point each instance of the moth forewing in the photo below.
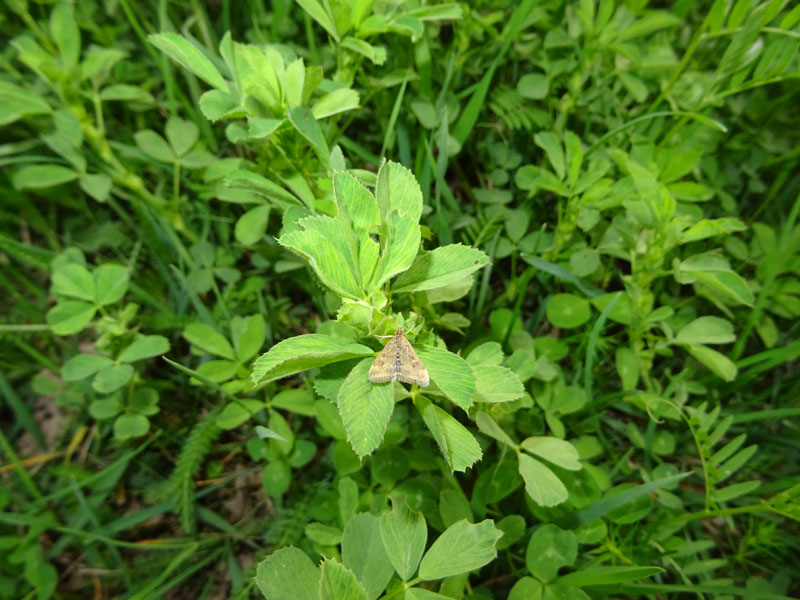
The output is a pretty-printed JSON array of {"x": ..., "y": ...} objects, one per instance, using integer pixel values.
[
  {"x": 398, "y": 361},
  {"x": 409, "y": 367},
  {"x": 385, "y": 366}
]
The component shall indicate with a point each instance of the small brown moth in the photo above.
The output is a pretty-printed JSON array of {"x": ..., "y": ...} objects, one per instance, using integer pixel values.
[{"x": 398, "y": 361}]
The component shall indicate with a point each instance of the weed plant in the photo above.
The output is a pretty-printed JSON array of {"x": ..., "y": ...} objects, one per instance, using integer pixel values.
[{"x": 582, "y": 214}]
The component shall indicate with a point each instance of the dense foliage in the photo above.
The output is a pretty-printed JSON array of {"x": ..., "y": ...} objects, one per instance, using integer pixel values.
[{"x": 582, "y": 215}]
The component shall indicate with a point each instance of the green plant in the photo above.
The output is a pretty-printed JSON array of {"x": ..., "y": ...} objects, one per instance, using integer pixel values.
[{"x": 582, "y": 214}]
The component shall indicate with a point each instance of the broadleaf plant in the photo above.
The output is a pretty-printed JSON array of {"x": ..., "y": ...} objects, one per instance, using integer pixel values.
[{"x": 373, "y": 239}]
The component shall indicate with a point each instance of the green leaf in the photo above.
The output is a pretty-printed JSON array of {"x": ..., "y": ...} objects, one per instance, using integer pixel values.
[
  {"x": 568, "y": 310},
  {"x": 252, "y": 182},
  {"x": 649, "y": 23},
  {"x": 259, "y": 127},
  {"x": 552, "y": 147},
  {"x": 218, "y": 370},
  {"x": 129, "y": 426},
  {"x": 97, "y": 185},
  {"x": 36, "y": 177},
  {"x": 607, "y": 575},
  {"x": 628, "y": 367},
  {"x": 181, "y": 134},
  {"x": 198, "y": 159},
  {"x": 397, "y": 190},
  {"x": 320, "y": 15},
  {"x": 488, "y": 426},
  {"x": 74, "y": 280},
  {"x": 66, "y": 34},
  {"x": 154, "y": 145},
  {"x": 715, "y": 272},
  {"x": 706, "y": 330},
  {"x": 248, "y": 335},
  {"x": 602, "y": 507},
  {"x": 276, "y": 478},
  {"x": 375, "y": 54},
  {"x": 99, "y": 61},
  {"x": 339, "y": 583},
  {"x": 17, "y": 102},
  {"x": 639, "y": 590},
  {"x": 324, "y": 535},
  {"x": 111, "y": 378},
  {"x": 288, "y": 574},
  {"x": 147, "y": 346},
  {"x": 534, "y": 178},
  {"x": 497, "y": 384},
  {"x": 365, "y": 408},
  {"x": 70, "y": 317},
  {"x": 105, "y": 408},
  {"x": 440, "y": 267},
  {"x": 562, "y": 273},
  {"x": 363, "y": 553},
  {"x": 451, "y": 374},
  {"x": 488, "y": 353},
  {"x": 734, "y": 491},
  {"x": 304, "y": 352},
  {"x": 533, "y": 86},
  {"x": 415, "y": 593},
  {"x": 144, "y": 401},
  {"x": 252, "y": 225},
  {"x": 293, "y": 83},
  {"x": 307, "y": 126},
  {"x": 448, "y": 11},
  {"x": 550, "y": 549},
  {"x": 574, "y": 156},
  {"x": 326, "y": 246},
  {"x": 209, "y": 340},
  {"x": 526, "y": 588},
  {"x": 110, "y": 283},
  {"x": 404, "y": 534},
  {"x": 237, "y": 412},
  {"x": 458, "y": 446},
  {"x": 707, "y": 228},
  {"x": 399, "y": 247},
  {"x": 513, "y": 528},
  {"x": 717, "y": 363},
  {"x": 358, "y": 214},
  {"x": 336, "y": 102},
  {"x": 217, "y": 105},
  {"x": 559, "y": 452},
  {"x": 189, "y": 57},
  {"x": 541, "y": 483},
  {"x": 121, "y": 92},
  {"x": 621, "y": 311},
  {"x": 463, "y": 547},
  {"x": 82, "y": 366}
]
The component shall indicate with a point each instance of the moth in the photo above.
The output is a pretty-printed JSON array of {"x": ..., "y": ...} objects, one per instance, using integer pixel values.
[{"x": 398, "y": 362}]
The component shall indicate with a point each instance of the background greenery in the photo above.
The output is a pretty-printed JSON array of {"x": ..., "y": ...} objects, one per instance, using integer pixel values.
[{"x": 587, "y": 227}]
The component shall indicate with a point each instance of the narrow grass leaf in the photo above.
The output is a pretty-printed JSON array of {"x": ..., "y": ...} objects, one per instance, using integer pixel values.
[{"x": 607, "y": 575}]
